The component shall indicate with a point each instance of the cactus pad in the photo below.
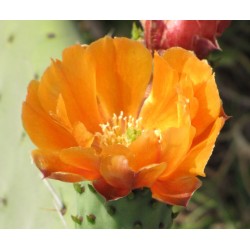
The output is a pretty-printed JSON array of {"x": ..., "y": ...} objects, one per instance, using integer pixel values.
[{"x": 137, "y": 210}]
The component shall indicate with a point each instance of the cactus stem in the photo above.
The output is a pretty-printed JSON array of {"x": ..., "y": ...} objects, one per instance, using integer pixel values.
[
  {"x": 91, "y": 188},
  {"x": 79, "y": 188},
  {"x": 91, "y": 218},
  {"x": 137, "y": 225},
  {"x": 77, "y": 219},
  {"x": 111, "y": 210}
]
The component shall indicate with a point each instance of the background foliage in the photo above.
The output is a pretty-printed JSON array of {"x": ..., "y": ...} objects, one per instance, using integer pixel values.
[{"x": 28, "y": 202}]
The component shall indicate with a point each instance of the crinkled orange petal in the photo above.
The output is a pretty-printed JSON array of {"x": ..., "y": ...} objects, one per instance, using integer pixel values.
[
  {"x": 197, "y": 70},
  {"x": 80, "y": 77},
  {"x": 198, "y": 156},
  {"x": 122, "y": 70},
  {"x": 108, "y": 191},
  {"x": 209, "y": 105},
  {"x": 66, "y": 177},
  {"x": 148, "y": 175},
  {"x": 175, "y": 190},
  {"x": 53, "y": 83},
  {"x": 202, "y": 111},
  {"x": 146, "y": 150},
  {"x": 83, "y": 158},
  {"x": 50, "y": 164},
  {"x": 43, "y": 131},
  {"x": 185, "y": 62},
  {"x": 49, "y": 89},
  {"x": 117, "y": 149},
  {"x": 160, "y": 110},
  {"x": 176, "y": 142},
  {"x": 83, "y": 137},
  {"x": 186, "y": 91},
  {"x": 116, "y": 172},
  {"x": 61, "y": 113},
  {"x": 134, "y": 68},
  {"x": 102, "y": 56},
  {"x": 177, "y": 57}
]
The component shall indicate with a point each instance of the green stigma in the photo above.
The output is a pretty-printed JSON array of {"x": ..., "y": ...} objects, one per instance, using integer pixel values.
[{"x": 132, "y": 134}]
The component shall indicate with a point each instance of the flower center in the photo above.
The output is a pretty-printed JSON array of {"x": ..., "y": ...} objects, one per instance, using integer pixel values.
[{"x": 120, "y": 130}]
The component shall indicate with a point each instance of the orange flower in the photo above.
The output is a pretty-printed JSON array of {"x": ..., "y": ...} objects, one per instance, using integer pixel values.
[{"x": 112, "y": 114}]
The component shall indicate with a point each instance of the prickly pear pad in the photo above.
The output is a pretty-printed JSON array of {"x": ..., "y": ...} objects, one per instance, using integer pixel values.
[{"x": 137, "y": 210}]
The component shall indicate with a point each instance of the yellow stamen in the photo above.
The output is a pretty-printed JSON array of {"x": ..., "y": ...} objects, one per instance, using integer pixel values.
[{"x": 120, "y": 130}]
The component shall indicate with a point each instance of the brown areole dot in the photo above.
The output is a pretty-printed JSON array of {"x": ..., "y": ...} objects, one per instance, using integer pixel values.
[
  {"x": 91, "y": 218},
  {"x": 77, "y": 219}
]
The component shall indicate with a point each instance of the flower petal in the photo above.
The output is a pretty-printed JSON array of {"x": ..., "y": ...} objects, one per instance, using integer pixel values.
[
  {"x": 134, "y": 67},
  {"x": 108, "y": 191},
  {"x": 122, "y": 70},
  {"x": 176, "y": 142},
  {"x": 185, "y": 62},
  {"x": 201, "y": 80},
  {"x": 60, "y": 115},
  {"x": 66, "y": 177},
  {"x": 198, "y": 156},
  {"x": 146, "y": 150},
  {"x": 148, "y": 175},
  {"x": 42, "y": 129},
  {"x": 49, "y": 89},
  {"x": 186, "y": 93},
  {"x": 117, "y": 149},
  {"x": 175, "y": 191},
  {"x": 80, "y": 81},
  {"x": 209, "y": 105},
  {"x": 50, "y": 164},
  {"x": 160, "y": 110},
  {"x": 116, "y": 172},
  {"x": 102, "y": 56},
  {"x": 53, "y": 84},
  {"x": 83, "y": 137},
  {"x": 83, "y": 158}
]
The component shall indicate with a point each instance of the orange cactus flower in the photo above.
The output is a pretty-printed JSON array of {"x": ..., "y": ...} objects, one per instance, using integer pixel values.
[{"x": 112, "y": 114}]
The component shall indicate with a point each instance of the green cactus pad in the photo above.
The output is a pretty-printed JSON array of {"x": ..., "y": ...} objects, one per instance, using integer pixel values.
[
  {"x": 138, "y": 210},
  {"x": 27, "y": 201}
]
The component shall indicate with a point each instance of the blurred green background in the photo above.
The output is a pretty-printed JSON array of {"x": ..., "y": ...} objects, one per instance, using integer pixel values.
[{"x": 26, "y": 201}]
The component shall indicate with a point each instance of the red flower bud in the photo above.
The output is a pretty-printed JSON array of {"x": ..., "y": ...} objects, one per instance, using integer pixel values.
[{"x": 197, "y": 35}]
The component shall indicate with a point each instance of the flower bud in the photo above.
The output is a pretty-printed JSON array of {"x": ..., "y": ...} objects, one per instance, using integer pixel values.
[{"x": 196, "y": 35}]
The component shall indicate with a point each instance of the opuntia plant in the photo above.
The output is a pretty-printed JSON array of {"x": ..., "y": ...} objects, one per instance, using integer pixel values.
[{"x": 119, "y": 122}]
